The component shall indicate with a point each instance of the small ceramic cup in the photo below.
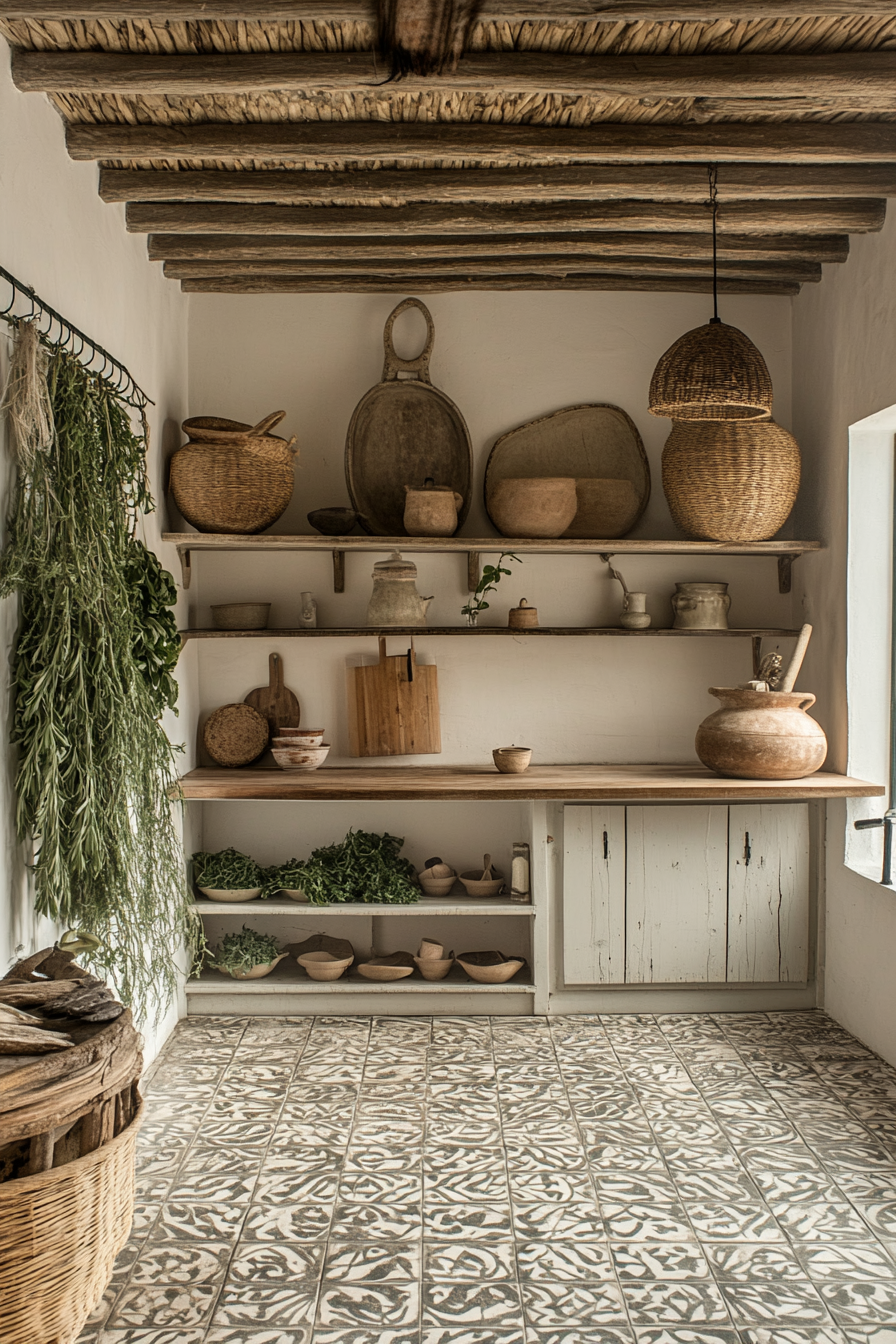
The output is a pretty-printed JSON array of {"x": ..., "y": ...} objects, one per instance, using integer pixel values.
[{"x": 512, "y": 760}]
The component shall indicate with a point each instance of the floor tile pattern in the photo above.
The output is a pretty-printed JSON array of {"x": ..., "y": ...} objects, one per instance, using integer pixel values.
[{"x": 681, "y": 1179}]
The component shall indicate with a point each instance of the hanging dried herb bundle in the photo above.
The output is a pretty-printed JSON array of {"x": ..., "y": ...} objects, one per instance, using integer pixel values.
[{"x": 96, "y": 647}]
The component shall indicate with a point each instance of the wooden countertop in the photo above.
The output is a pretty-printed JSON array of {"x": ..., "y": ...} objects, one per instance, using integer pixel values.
[{"x": 590, "y": 783}]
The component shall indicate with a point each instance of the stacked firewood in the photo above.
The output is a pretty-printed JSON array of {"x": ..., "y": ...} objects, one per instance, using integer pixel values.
[{"x": 42, "y": 993}]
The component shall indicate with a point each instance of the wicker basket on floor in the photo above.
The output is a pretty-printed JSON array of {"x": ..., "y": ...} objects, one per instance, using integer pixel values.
[
  {"x": 726, "y": 481},
  {"x": 60, "y": 1233}
]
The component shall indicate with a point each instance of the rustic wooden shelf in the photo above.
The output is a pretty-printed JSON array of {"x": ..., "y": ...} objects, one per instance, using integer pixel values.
[
  {"x": 354, "y": 632},
  {"x": 426, "y": 906},
  {"x": 290, "y": 978},
  {"x": 785, "y": 551},
  {"x": 579, "y": 782}
]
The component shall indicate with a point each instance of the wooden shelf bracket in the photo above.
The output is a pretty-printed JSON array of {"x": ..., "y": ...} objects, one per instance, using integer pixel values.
[
  {"x": 473, "y": 571},
  {"x": 186, "y": 566},
  {"x": 339, "y": 571},
  {"x": 785, "y": 567}
]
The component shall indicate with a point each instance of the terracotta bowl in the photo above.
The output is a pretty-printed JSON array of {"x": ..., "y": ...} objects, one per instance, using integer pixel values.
[
  {"x": 490, "y": 968},
  {"x": 244, "y": 894},
  {"x": 430, "y": 950},
  {"x": 371, "y": 970},
  {"x": 476, "y": 887},
  {"x": 436, "y": 886},
  {"x": 256, "y": 973},
  {"x": 538, "y": 506},
  {"x": 301, "y": 758},
  {"x": 323, "y": 965},
  {"x": 512, "y": 760},
  {"x": 431, "y": 969}
]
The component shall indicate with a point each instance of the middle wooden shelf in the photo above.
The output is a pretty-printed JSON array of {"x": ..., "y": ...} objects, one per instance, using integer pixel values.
[
  {"x": 426, "y": 906},
  {"x": 756, "y": 632}
]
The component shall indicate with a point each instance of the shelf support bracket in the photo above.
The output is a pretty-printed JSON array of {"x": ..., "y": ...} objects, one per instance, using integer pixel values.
[
  {"x": 785, "y": 566},
  {"x": 339, "y": 571},
  {"x": 473, "y": 571},
  {"x": 186, "y": 566},
  {"x": 757, "y": 655}
]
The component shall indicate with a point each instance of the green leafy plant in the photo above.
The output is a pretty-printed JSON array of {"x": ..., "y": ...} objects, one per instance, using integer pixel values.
[
  {"x": 91, "y": 676},
  {"x": 245, "y": 950},
  {"x": 285, "y": 876},
  {"x": 227, "y": 870},
  {"x": 491, "y": 577},
  {"x": 364, "y": 867}
]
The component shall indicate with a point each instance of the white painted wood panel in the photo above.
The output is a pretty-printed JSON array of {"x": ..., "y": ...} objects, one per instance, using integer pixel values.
[
  {"x": 676, "y": 889},
  {"x": 768, "y": 892},
  {"x": 593, "y": 895}
]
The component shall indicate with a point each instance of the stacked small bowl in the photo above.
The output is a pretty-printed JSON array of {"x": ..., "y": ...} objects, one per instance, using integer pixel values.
[{"x": 300, "y": 748}]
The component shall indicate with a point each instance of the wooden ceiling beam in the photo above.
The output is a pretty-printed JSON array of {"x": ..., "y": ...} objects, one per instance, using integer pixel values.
[
  {"x": 865, "y": 77},
  {"x": 487, "y": 142},
  {"x": 815, "y": 216},
  {"x": 237, "y": 247},
  {"x": 679, "y": 182},
  {"x": 493, "y": 11},
  {"x": 802, "y": 271},
  {"x": 286, "y": 284}
]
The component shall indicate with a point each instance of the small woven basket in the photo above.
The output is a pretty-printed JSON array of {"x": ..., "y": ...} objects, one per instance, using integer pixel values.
[
  {"x": 729, "y": 481},
  {"x": 60, "y": 1233},
  {"x": 235, "y": 735},
  {"x": 228, "y": 480},
  {"x": 714, "y": 372}
]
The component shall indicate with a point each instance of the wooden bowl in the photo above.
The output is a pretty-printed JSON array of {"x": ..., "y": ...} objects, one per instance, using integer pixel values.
[
  {"x": 239, "y": 894},
  {"x": 490, "y": 968},
  {"x": 512, "y": 760},
  {"x": 301, "y": 758},
  {"x": 241, "y": 615},
  {"x": 322, "y": 942},
  {"x": 436, "y": 886},
  {"x": 256, "y": 973},
  {"x": 394, "y": 966},
  {"x": 476, "y": 887},
  {"x": 431, "y": 969},
  {"x": 323, "y": 965},
  {"x": 333, "y": 522},
  {"x": 300, "y": 738}
]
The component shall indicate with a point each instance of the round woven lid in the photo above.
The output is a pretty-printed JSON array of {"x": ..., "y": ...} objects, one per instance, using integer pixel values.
[
  {"x": 235, "y": 735},
  {"x": 714, "y": 372}
]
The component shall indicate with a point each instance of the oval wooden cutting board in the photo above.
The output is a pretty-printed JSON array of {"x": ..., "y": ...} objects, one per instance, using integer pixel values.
[{"x": 401, "y": 432}]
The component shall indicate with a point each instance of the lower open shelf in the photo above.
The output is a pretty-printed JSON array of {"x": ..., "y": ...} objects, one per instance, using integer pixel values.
[
  {"x": 426, "y": 906},
  {"x": 290, "y": 978}
]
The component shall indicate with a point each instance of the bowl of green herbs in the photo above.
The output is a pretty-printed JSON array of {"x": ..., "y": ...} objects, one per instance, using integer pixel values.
[
  {"x": 227, "y": 875},
  {"x": 247, "y": 955}
]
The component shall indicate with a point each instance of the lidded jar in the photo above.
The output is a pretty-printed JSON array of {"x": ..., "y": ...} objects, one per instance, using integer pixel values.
[
  {"x": 395, "y": 600},
  {"x": 701, "y": 606}
]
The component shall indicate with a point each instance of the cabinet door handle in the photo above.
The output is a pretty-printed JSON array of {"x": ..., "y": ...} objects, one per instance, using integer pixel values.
[
  {"x": 748, "y": 849},
  {"x": 606, "y": 845}
]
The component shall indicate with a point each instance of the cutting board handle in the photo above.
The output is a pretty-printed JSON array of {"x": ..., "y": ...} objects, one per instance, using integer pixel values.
[
  {"x": 394, "y": 363},
  {"x": 275, "y": 663}
]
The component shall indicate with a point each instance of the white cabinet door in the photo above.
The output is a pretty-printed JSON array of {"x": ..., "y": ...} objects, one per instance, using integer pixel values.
[
  {"x": 676, "y": 889},
  {"x": 593, "y": 895},
  {"x": 768, "y": 892}
]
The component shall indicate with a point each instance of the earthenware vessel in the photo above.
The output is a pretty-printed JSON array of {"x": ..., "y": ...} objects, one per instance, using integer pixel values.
[
  {"x": 522, "y": 617},
  {"x": 634, "y": 612},
  {"x": 395, "y": 600},
  {"x": 512, "y": 760},
  {"x": 761, "y": 735},
  {"x": 700, "y": 606},
  {"x": 537, "y": 506},
  {"x": 432, "y": 511}
]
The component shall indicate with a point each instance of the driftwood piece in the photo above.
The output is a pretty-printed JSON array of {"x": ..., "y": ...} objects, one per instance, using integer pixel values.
[
  {"x": 20, "y": 994},
  {"x": 9, "y": 1014},
  {"x": 19, "y": 1040}
]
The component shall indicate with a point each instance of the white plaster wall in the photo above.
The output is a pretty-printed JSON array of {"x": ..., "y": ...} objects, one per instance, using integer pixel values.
[
  {"x": 844, "y": 371},
  {"x": 57, "y": 236},
  {"x": 504, "y": 359}
]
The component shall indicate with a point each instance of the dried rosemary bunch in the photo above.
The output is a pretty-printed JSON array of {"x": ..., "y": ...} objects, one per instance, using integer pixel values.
[{"x": 91, "y": 678}]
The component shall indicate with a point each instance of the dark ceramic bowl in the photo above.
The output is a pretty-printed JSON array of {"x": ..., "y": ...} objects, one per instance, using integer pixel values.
[{"x": 335, "y": 522}]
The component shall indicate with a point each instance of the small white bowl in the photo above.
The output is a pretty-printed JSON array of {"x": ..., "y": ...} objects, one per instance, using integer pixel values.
[
  {"x": 301, "y": 758},
  {"x": 216, "y": 894},
  {"x": 299, "y": 737}
]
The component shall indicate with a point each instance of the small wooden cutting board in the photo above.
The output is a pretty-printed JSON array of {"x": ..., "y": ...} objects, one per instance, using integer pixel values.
[
  {"x": 394, "y": 707},
  {"x": 275, "y": 702}
]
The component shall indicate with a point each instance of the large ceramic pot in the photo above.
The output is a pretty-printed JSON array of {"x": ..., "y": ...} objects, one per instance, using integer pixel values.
[
  {"x": 533, "y": 506},
  {"x": 761, "y": 735}
]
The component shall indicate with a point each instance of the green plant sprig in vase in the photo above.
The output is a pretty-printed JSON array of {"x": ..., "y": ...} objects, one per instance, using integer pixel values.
[{"x": 491, "y": 577}]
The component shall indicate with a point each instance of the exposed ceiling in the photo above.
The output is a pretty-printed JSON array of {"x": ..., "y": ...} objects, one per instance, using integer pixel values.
[{"x": 266, "y": 149}]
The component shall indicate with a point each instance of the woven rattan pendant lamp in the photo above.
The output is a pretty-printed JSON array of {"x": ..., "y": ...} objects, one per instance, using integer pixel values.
[{"x": 714, "y": 372}]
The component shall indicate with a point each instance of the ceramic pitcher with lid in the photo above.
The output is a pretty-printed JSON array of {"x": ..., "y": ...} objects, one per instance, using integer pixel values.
[{"x": 395, "y": 600}]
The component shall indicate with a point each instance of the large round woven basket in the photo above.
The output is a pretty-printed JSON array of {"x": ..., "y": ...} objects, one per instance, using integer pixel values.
[
  {"x": 227, "y": 488},
  {"x": 60, "y": 1233},
  {"x": 730, "y": 481},
  {"x": 713, "y": 372}
]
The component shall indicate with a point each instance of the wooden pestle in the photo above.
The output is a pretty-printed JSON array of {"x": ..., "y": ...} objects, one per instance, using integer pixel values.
[{"x": 793, "y": 667}]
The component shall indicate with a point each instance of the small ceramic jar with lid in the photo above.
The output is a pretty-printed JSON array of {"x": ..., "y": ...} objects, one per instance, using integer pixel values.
[{"x": 522, "y": 617}]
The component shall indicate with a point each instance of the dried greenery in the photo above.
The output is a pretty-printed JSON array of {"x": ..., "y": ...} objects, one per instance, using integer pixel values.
[
  {"x": 245, "y": 950},
  {"x": 226, "y": 870},
  {"x": 364, "y": 867},
  {"x": 91, "y": 677}
]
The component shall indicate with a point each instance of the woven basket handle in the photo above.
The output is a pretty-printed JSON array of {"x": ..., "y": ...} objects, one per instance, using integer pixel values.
[
  {"x": 394, "y": 363},
  {"x": 266, "y": 424}
]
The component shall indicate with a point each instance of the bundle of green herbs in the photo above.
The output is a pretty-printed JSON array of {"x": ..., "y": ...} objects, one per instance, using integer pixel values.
[
  {"x": 227, "y": 870},
  {"x": 365, "y": 867},
  {"x": 245, "y": 950},
  {"x": 91, "y": 677}
]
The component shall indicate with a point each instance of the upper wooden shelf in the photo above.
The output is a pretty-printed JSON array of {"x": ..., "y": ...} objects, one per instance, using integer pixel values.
[
  {"x": 186, "y": 542},
  {"x": 574, "y": 782},
  {"x": 418, "y": 632}
]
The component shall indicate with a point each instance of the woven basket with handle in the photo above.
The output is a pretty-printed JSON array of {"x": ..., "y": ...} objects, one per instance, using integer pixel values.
[
  {"x": 232, "y": 477},
  {"x": 729, "y": 481}
]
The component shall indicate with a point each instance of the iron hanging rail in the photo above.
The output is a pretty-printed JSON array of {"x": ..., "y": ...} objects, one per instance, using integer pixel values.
[{"x": 69, "y": 337}]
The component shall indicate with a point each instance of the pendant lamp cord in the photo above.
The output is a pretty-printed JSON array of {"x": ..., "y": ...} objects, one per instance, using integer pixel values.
[{"x": 713, "y": 204}]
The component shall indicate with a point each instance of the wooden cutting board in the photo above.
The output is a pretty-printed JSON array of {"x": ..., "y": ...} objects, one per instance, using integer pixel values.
[
  {"x": 275, "y": 702},
  {"x": 393, "y": 707}
]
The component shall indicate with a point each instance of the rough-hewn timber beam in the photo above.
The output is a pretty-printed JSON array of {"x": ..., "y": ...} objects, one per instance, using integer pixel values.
[
  {"x": 866, "y": 77},
  {"x": 285, "y": 284},
  {"x": 679, "y": 182},
  {"x": 815, "y": 216},
  {"x": 606, "y": 142},
  {"x": 755, "y": 247},
  {"x": 802, "y": 271},
  {"x": 493, "y": 11}
]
